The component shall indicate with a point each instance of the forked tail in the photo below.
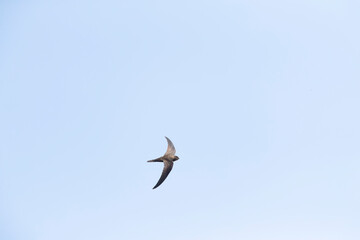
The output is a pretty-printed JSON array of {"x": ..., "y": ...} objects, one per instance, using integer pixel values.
[{"x": 156, "y": 160}]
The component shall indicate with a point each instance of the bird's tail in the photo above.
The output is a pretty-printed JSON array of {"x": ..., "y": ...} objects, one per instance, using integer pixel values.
[{"x": 156, "y": 160}]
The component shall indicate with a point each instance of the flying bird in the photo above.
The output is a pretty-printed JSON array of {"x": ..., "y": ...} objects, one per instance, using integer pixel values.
[{"x": 168, "y": 159}]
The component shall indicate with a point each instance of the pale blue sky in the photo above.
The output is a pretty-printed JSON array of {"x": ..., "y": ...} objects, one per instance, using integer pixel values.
[{"x": 261, "y": 99}]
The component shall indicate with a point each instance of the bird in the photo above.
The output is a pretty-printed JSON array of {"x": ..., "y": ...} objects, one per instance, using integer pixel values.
[{"x": 168, "y": 159}]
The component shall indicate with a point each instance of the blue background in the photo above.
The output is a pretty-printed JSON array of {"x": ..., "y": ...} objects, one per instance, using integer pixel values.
[{"x": 261, "y": 99}]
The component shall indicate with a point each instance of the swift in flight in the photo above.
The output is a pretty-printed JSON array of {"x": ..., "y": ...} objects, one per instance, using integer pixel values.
[{"x": 168, "y": 159}]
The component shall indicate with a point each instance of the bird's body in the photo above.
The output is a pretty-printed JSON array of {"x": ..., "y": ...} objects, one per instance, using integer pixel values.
[{"x": 168, "y": 159}]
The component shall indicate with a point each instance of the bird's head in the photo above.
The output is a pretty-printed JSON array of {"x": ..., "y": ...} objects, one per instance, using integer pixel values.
[{"x": 176, "y": 158}]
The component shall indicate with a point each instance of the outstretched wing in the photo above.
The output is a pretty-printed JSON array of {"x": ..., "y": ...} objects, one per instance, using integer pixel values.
[
  {"x": 167, "y": 169},
  {"x": 170, "y": 149}
]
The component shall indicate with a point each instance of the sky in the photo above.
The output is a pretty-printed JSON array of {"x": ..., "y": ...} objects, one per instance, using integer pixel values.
[{"x": 260, "y": 98}]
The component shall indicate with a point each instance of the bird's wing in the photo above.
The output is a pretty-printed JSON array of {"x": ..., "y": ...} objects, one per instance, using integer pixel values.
[
  {"x": 167, "y": 169},
  {"x": 170, "y": 149}
]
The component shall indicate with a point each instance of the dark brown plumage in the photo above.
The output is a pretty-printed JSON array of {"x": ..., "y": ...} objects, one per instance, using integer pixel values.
[{"x": 168, "y": 159}]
